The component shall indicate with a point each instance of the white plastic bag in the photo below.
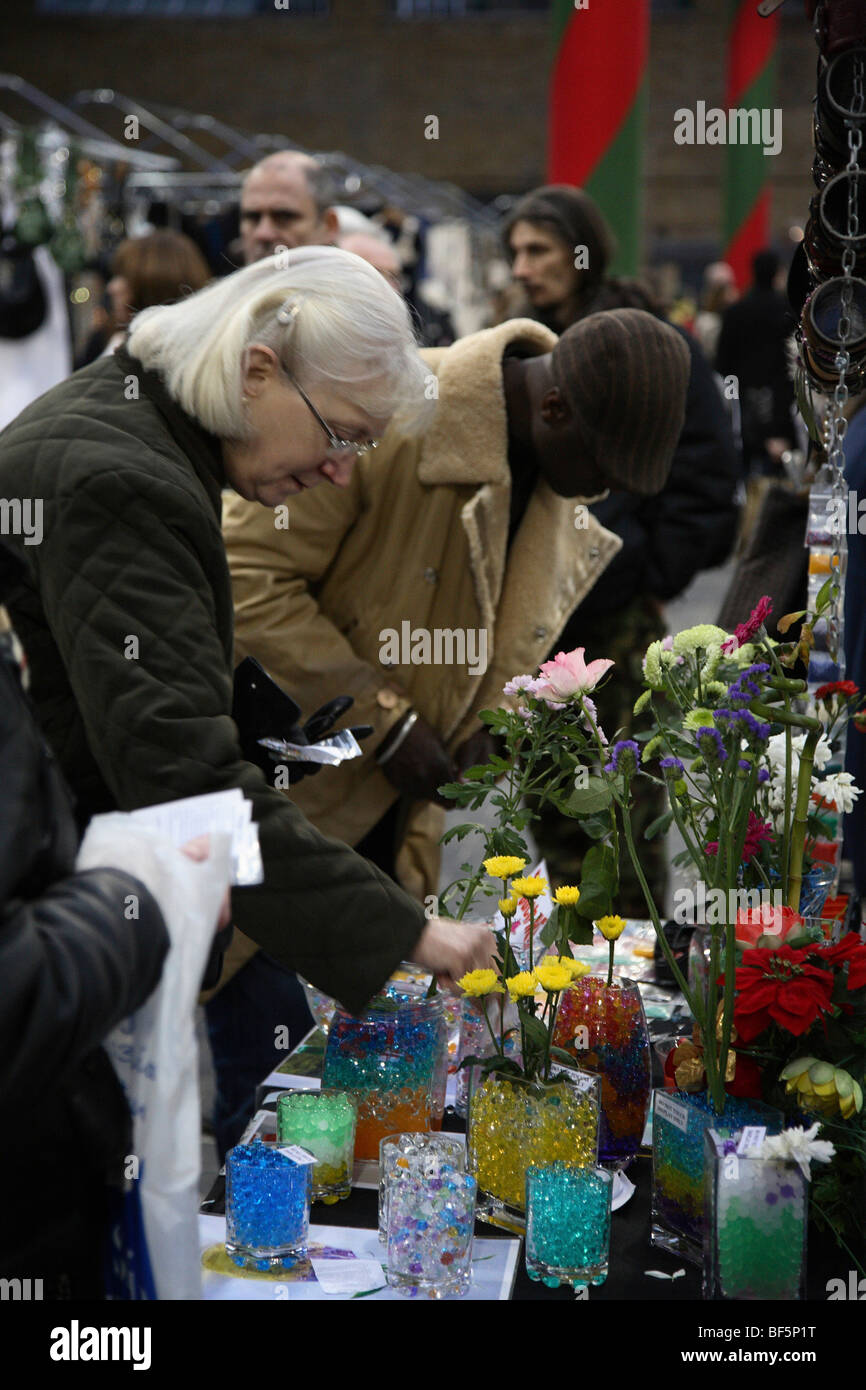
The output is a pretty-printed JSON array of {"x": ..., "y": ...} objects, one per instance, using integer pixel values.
[{"x": 154, "y": 1052}]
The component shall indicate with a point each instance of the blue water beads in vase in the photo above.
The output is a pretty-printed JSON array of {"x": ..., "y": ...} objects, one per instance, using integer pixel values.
[{"x": 267, "y": 1206}]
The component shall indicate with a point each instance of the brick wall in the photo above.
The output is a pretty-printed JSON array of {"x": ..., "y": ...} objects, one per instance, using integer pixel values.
[{"x": 364, "y": 82}]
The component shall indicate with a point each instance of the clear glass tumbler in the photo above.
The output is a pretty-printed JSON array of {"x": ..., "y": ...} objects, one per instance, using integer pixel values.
[
  {"x": 567, "y": 1224},
  {"x": 267, "y": 1206},
  {"x": 430, "y": 1228},
  {"x": 323, "y": 1122},
  {"x": 414, "y": 1156}
]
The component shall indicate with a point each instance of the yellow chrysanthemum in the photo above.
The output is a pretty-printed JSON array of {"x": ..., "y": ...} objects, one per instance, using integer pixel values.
[
  {"x": 611, "y": 927},
  {"x": 576, "y": 968},
  {"x": 531, "y": 887},
  {"x": 508, "y": 906},
  {"x": 504, "y": 865},
  {"x": 478, "y": 982},
  {"x": 553, "y": 977},
  {"x": 567, "y": 896},
  {"x": 522, "y": 984}
]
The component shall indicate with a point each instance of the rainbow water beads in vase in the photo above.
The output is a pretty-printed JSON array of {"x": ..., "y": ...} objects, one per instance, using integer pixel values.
[
  {"x": 604, "y": 1028},
  {"x": 429, "y": 1227},
  {"x": 393, "y": 1059},
  {"x": 680, "y": 1122}
]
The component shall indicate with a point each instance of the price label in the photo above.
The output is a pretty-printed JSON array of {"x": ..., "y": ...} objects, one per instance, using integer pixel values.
[
  {"x": 666, "y": 1108},
  {"x": 297, "y": 1154},
  {"x": 751, "y": 1140},
  {"x": 581, "y": 1080}
]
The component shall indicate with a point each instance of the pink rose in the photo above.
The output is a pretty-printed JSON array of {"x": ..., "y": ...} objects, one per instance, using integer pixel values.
[{"x": 568, "y": 674}]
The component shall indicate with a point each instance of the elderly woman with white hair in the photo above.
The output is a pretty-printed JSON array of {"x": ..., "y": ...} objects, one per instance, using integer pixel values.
[{"x": 270, "y": 381}]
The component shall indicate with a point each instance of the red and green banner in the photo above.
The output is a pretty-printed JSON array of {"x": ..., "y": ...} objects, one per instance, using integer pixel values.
[
  {"x": 750, "y": 84},
  {"x": 597, "y": 118}
]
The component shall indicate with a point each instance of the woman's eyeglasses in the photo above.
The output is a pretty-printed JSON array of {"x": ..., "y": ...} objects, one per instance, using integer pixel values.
[{"x": 335, "y": 442}]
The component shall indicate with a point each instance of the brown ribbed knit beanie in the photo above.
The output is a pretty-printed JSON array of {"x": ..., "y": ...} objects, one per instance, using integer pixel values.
[{"x": 625, "y": 374}]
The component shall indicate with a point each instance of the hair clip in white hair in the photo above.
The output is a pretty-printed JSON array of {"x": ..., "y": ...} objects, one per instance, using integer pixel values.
[{"x": 288, "y": 312}]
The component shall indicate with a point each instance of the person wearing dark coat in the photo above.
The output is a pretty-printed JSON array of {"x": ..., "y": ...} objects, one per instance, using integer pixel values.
[
  {"x": 271, "y": 381},
  {"x": 71, "y": 966},
  {"x": 752, "y": 348},
  {"x": 560, "y": 248}
]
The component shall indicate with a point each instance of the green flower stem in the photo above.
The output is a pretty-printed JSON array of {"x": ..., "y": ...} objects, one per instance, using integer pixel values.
[
  {"x": 801, "y": 812},
  {"x": 653, "y": 911},
  {"x": 786, "y": 826},
  {"x": 551, "y": 1022},
  {"x": 611, "y": 945},
  {"x": 531, "y": 931},
  {"x": 498, "y": 1047},
  {"x": 797, "y": 842}
]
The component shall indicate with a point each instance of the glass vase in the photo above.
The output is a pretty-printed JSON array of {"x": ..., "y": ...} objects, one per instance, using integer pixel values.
[
  {"x": 756, "y": 1217},
  {"x": 604, "y": 1028},
  {"x": 680, "y": 1121},
  {"x": 267, "y": 1206},
  {"x": 393, "y": 1060},
  {"x": 415, "y": 1156},
  {"x": 515, "y": 1123},
  {"x": 567, "y": 1224},
  {"x": 324, "y": 1123},
  {"x": 429, "y": 1230},
  {"x": 475, "y": 1039}
]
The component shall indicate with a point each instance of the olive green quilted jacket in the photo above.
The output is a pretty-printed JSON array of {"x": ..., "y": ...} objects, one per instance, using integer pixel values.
[{"x": 126, "y": 618}]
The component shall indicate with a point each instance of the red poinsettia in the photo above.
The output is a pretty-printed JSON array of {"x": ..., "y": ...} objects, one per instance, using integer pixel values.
[
  {"x": 779, "y": 985},
  {"x": 851, "y": 950}
]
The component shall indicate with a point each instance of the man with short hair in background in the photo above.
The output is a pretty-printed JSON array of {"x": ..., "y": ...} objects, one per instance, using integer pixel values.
[{"x": 285, "y": 202}]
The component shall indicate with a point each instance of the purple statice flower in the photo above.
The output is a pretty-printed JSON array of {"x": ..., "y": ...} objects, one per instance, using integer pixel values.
[
  {"x": 744, "y": 765},
  {"x": 749, "y": 725},
  {"x": 591, "y": 719},
  {"x": 763, "y": 775},
  {"x": 743, "y": 688},
  {"x": 520, "y": 685},
  {"x": 709, "y": 741},
  {"x": 625, "y": 752},
  {"x": 672, "y": 763}
]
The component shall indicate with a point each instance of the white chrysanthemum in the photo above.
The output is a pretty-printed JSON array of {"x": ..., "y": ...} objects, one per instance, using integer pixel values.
[
  {"x": 799, "y": 1145},
  {"x": 840, "y": 791},
  {"x": 823, "y": 754}
]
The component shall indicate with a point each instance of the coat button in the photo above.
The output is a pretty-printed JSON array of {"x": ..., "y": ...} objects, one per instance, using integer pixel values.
[
  {"x": 540, "y": 633},
  {"x": 594, "y": 553},
  {"x": 431, "y": 575},
  {"x": 386, "y": 699}
]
